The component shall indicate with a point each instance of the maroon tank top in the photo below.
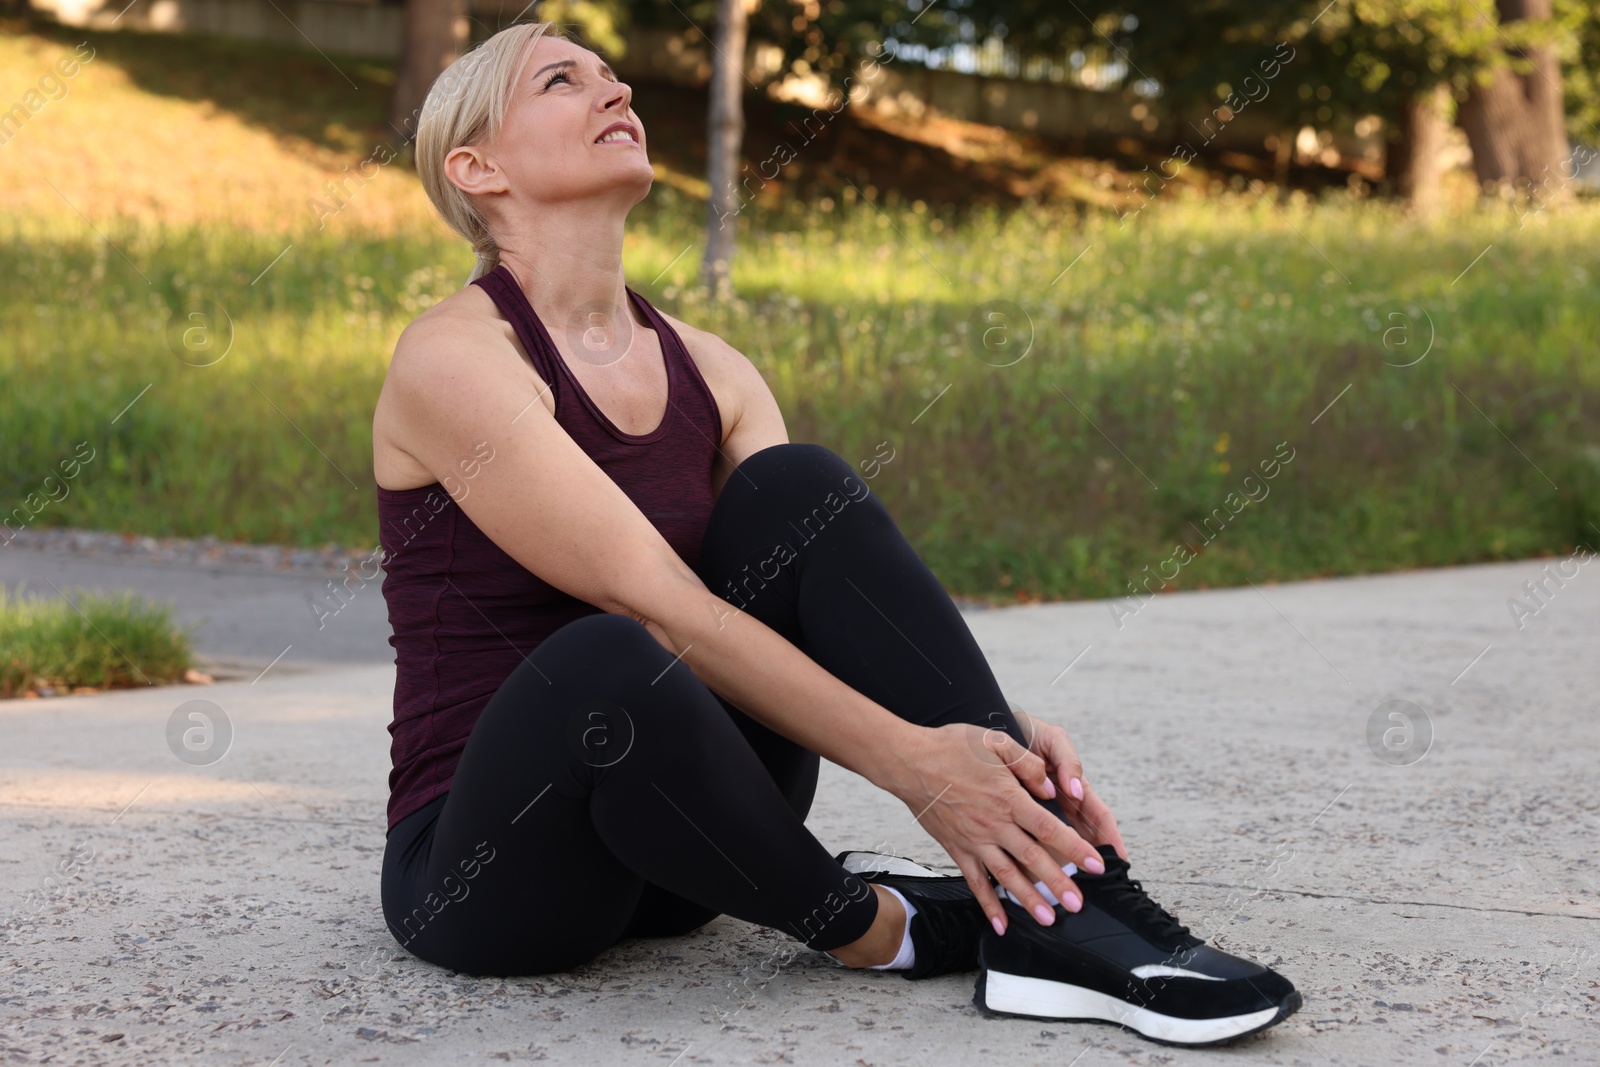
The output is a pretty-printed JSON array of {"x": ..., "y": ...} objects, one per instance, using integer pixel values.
[{"x": 463, "y": 612}]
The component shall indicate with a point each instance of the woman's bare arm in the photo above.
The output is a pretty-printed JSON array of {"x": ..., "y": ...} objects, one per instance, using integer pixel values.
[{"x": 456, "y": 381}]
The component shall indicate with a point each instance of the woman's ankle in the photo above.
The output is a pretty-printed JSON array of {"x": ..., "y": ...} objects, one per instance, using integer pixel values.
[{"x": 881, "y": 943}]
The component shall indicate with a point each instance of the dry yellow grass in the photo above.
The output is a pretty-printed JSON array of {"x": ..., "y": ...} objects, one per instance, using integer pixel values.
[{"x": 181, "y": 161}]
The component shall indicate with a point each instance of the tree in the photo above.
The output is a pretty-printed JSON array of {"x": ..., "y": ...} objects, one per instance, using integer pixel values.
[
  {"x": 434, "y": 33},
  {"x": 1581, "y": 79},
  {"x": 1418, "y": 64},
  {"x": 600, "y": 24},
  {"x": 1405, "y": 60},
  {"x": 437, "y": 32},
  {"x": 1514, "y": 114},
  {"x": 1413, "y": 163},
  {"x": 724, "y": 143}
]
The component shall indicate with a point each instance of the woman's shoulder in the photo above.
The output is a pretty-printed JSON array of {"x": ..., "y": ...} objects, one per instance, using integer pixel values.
[
  {"x": 714, "y": 357},
  {"x": 463, "y": 334},
  {"x": 468, "y": 308},
  {"x": 465, "y": 326}
]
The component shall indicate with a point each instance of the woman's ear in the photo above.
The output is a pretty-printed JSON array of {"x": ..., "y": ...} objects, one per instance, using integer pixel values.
[{"x": 471, "y": 170}]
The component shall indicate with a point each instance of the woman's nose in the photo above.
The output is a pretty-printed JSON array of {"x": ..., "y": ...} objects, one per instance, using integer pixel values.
[{"x": 621, "y": 95}]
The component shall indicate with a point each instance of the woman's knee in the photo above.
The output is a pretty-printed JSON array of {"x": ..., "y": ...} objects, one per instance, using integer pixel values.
[
  {"x": 586, "y": 683},
  {"x": 790, "y": 482},
  {"x": 617, "y": 672},
  {"x": 798, "y": 461},
  {"x": 604, "y": 653},
  {"x": 602, "y": 634}
]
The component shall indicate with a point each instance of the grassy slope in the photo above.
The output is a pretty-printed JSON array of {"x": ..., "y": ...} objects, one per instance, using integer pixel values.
[{"x": 1196, "y": 338}]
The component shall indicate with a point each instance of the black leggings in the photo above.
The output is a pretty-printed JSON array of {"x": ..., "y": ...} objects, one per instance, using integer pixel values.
[{"x": 605, "y": 792}]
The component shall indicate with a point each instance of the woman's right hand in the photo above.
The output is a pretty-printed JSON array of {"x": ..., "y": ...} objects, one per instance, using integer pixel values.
[{"x": 973, "y": 790}]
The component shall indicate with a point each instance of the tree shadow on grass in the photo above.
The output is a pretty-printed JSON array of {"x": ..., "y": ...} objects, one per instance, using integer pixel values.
[
  {"x": 334, "y": 102},
  {"x": 340, "y": 103}
]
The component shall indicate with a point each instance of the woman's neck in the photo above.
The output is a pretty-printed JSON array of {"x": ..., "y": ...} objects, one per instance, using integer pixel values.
[{"x": 569, "y": 263}]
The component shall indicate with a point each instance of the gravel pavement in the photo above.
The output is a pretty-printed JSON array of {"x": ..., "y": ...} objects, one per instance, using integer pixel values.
[{"x": 1382, "y": 786}]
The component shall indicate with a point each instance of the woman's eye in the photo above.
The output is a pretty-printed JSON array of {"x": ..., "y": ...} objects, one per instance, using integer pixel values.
[{"x": 559, "y": 74}]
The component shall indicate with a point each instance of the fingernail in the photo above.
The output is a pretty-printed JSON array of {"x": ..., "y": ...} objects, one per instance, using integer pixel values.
[
  {"x": 1094, "y": 864},
  {"x": 999, "y": 927},
  {"x": 1072, "y": 903},
  {"x": 1049, "y": 789},
  {"x": 1046, "y": 915},
  {"x": 1075, "y": 787}
]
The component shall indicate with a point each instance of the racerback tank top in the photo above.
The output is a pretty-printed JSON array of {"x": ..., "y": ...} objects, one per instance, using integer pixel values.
[{"x": 464, "y": 614}]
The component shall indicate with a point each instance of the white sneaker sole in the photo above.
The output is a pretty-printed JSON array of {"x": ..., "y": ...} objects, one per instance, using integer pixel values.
[
  {"x": 1039, "y": 998},
  {"x": 880, "y": 863}
]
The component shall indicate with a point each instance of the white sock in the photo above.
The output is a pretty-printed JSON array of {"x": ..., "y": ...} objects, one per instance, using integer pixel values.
[
  {"x": 1068, "y": 869},
  {"x": 907, "y": 954}
]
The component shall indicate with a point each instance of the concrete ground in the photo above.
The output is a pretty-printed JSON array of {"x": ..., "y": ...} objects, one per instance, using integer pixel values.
[{"x": 1380, "y": 786}]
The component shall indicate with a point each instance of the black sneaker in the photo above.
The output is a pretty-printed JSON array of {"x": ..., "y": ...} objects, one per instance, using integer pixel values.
[
  {"x": 949, "y": 921},
  {"x": 1125, "y": 960}
]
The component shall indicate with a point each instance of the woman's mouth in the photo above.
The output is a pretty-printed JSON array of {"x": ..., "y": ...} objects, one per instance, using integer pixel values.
[{"x": 620, "y": 133}]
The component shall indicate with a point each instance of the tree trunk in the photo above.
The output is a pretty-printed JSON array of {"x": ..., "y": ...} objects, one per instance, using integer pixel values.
[
  {"x": 1515, "y": 123},
  {"x": 1414, "y": 162},
  {"x": 724, "y": 140},
  {"x": 1282, "y": 157},
  {"x": 435, "y": 32}
]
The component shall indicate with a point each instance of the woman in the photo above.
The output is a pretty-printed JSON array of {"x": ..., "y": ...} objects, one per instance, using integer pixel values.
[{"x": 629, "y": 617}]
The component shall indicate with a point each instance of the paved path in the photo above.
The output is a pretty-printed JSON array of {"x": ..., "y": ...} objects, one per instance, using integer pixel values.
[
  {"x": 1434, "y": 910},
  {"x": 244, "y": 616}
]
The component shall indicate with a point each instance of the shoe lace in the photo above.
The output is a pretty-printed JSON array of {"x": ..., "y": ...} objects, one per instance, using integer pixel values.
[
  {"x": 1127, "y": 894},
  {"x": 953, "y": 928}
]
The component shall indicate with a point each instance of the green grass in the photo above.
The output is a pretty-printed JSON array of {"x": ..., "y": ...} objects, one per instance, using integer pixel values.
[
  {"x": 93, "y": 642},
  {"x": 1172, "y": 358},
  {"x": 1177, "y": 353}
]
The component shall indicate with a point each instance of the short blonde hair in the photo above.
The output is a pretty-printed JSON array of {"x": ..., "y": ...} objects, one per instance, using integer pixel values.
[{"x": 466, "y": 104}]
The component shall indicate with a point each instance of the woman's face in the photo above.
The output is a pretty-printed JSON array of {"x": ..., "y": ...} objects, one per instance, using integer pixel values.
[{"x": 570, "y": 132}]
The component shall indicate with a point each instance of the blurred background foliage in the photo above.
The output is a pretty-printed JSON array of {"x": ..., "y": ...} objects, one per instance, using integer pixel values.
[{"x": 1073, "y": 372}]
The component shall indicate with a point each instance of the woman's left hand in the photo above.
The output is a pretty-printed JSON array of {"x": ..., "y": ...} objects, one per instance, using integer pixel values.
[{"x": 1086, "y": 811}]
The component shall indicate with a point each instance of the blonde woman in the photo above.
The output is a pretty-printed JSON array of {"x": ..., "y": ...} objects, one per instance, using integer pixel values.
[{"x": 629, "y": 616}]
